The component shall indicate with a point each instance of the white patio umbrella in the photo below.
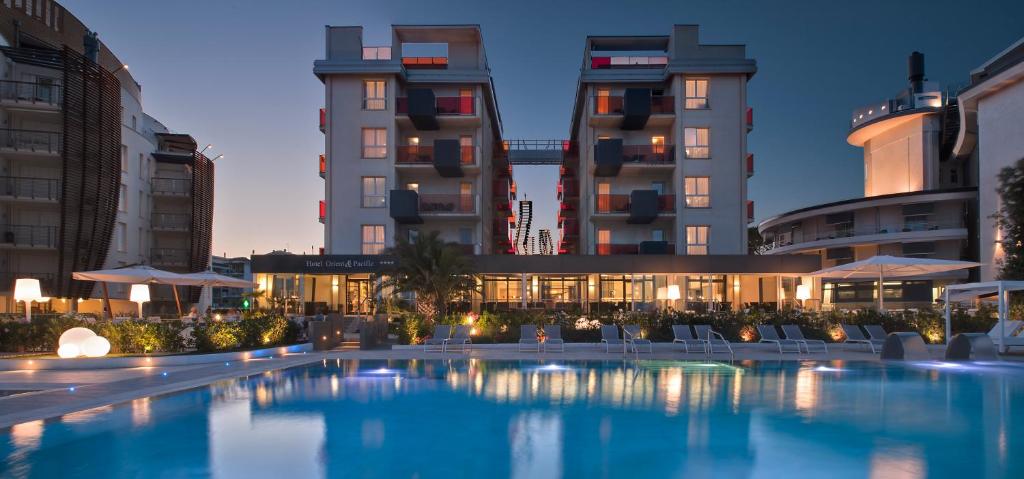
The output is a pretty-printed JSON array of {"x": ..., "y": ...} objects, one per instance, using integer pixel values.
[
  {"x": 138, "y": 274},
  {"x": 210, "y": 278},
  {"x": 881, "y": 267}
]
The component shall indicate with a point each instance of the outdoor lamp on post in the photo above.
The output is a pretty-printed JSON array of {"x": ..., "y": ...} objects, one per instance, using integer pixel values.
[
  {"x": 803, "y": 293},
  {"x": 139, "y": 294},
  {"x": 27, "y": 290}
]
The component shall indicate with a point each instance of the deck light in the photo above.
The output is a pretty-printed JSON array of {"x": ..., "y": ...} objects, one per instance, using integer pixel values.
[{"x": 27, "y": 290}]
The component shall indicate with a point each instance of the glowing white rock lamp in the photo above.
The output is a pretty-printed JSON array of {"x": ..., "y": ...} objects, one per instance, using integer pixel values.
[
  {"x": 95, "y": 347},
  {"x": 77, "y": 342},
  {"x": 139, "y": 294},
  {"x": 27, "y": 290}
]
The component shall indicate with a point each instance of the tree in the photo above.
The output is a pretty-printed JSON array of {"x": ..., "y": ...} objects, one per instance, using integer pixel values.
[
  {"x": 436, "y": 271},
  {"x": 755, "y": 242},
  {"x": 1010, "y": 220}
]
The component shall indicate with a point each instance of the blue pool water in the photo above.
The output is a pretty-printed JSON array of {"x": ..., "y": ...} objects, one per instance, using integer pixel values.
[{"x": 551, "y": 419}]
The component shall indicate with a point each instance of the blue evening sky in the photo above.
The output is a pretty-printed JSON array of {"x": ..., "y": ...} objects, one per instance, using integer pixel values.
[{"x": 237, "y": 73}]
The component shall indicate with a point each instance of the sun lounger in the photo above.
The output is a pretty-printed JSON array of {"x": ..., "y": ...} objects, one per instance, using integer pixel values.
[
  {"x": 610, "y": 336},
  {"x": 1013, "y": 331},
  {"x": 528, "y": 338},
  {"x": 875, "y": 332},
  {"x": 634, "y": 337},
  {"x": 793, "y": 332},
  {"x": 713, "y": 338},
  {"x": 460, "y": 339},
  {"x": 440, "y": 337},
  {"x": 553, "y": 338},
  {"x": 855, "y": 336},
  {"x": 682, "y": 334},
  {"x": 769, "y": 334}
]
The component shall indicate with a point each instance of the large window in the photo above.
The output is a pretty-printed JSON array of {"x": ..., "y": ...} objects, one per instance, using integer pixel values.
[
  {"x": 603, "y": 101},
  {"x": 618, "y": 291},
  {"x": 697, "y": 239},
  {"x": 373, "y": 239},
  {"x": 696, "y": 94},
  {"x": 374, "y": 95},
  {"x": 375, "y": 142},
  {"x": 373, "y": 192},
  {"x": 502, "y": 292},
  {"x": 697, "y": 191},
  {"x": 697, "y": 143}
]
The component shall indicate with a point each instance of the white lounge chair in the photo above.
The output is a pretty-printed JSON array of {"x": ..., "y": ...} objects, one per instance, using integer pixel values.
[
  {"x": 875, "y": 332},
  {"x": 793, "y": 332},
  {"x": 610, "y": 336},
  {"x": 633, "y": 335},
  {"x": 855, "y": 336},
  {"x": 460, "y": 339},
  {"x": 769, "y": 334},
  {"x": 1014, "y": 331},
  {"x": 528, "y": 338},
  {"x": 440, "y": 337},
  {"x": 713, "y": 338},
  {"x": 553, "y": 337},
  {"x": 682, "y": 334}
]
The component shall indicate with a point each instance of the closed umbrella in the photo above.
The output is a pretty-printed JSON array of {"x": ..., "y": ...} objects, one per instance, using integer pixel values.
[{"x": 882, "y": 266}]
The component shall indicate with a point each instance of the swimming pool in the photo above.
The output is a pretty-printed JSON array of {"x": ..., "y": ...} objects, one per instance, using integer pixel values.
[{"x": 474, "y": 418}]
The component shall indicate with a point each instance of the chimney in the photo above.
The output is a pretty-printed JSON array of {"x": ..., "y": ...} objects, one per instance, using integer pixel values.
[
  {"x": 915, "y": 72},
  {"x": 91, "y": 45}
]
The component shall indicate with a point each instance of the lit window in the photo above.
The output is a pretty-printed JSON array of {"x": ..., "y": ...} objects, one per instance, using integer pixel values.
[
  {"x": 696, "y": 94},
  {"x": 413, "y": 187},
  {"x": 604, "y": 241},
  {"x": 697, "y": 192},
  {"x": 603, "y": 106},
  {"x": 374, "y": 96},
  {"x": 696, "y": 141},
  {"x": 375, "y": 143},
  {"x": 658, "y": 145},
  {"x": 373, "y": 192},
  {"x": 124, "y": 158},
  {"x": 467, "y": 150},
  {"x": 697, "y": 240},
  {"x": 373, "y": 239},
  {"x": 122, "y": 200}
]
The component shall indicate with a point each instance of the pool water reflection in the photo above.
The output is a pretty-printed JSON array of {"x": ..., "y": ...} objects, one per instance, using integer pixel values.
[{"x": 551, "y": 419}]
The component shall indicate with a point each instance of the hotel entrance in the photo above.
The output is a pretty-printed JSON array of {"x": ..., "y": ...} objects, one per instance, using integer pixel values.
[{"x": 308, "y": 285}]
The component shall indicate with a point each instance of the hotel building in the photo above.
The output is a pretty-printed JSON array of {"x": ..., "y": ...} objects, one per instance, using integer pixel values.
[{"x": 88, "y": 180}]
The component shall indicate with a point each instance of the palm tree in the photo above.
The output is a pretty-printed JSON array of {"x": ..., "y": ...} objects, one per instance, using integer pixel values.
[{"x": 436, "y": 271}]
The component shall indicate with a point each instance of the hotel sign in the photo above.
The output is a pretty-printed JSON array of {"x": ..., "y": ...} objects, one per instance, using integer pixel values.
[{"x": 321, "y": 264}]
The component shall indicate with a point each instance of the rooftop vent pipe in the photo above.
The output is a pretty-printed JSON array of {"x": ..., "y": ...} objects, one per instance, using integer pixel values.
[{"x": 915, "y": 71}]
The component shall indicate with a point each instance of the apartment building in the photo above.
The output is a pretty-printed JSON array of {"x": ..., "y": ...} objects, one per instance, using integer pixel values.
[
  {"x": 80, "y": 165},
  {"x": 659, "y": 160},
  {"x": 230, "y": 298},
  {"x": 920, "y": 198}
]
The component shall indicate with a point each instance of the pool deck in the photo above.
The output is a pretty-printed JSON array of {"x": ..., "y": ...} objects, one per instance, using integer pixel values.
[{"x": 55, "y": 393}]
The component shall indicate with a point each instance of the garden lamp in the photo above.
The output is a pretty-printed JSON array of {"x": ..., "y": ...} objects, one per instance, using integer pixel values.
[
  {"x": 27, "y": 290},
  {"x": 139, "y": 294}
]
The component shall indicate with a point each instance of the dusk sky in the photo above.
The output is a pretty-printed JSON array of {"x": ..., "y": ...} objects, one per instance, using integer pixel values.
[{"x": 238, "y": 74}]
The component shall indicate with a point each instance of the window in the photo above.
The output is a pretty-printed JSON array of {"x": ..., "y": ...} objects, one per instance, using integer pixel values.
[
  {"x": 604, "y": 241},
  {"x": 697, "y": 239},
  {"x": 374, "y": 96},
  {"x": 373, "y": 239},
  {"x": 466, "y": 203},
  {"x": 413, "y": 187},
  {"x": 121, "y": 236},
  {"x": 467, "y": 150},
  {"x": 696, "y": 141},
  {"x": 414, "y": 234},
  {"x": 657, "y": 235},
  {"x": 373, "y": 192},
  {"x": 465, "y": 236},
  {"x": 466, "y": 101},
  {"x": 122, "y": 199},
  {"x": 696, "y": 94},
  {"x": 124, "y": 158},
  {"x": 658, "y": 145},
  {"x": 142, "y": 204},
  {"x": 658, "y": 186},
  {"x": 604, "y": 197},
  {"x": 142, "y": 166},
  {"x": 375, "y": 143},
  {"x": 135, "y": 122},
  {"x": 603, "y": 106},
  {"x": 697, "y": 192}
]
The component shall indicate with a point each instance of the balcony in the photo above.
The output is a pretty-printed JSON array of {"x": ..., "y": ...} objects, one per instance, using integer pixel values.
[
  {"x": 649, "y": 155},
  {"x": 750, "y": 211},
  {"x": 169, "y": 257},
  {"x": 30, "y": 141},
  {"x": 323, "y": 212},
  {"x": 323, "y": 166},
  {"x": 570, "y": 228},
  {"x": 750, "y": 165},
  {"x": 28, "y": 236},
  {"x": 425, "y": 63},
  {"x": 638, "y": 202},
  {"x": 750, "y": 119},
  {"x": 29, "y": 189},
  {"x": 27, "y": 94},
  {"x": 634, "y": 110},
  {"x": 409, "y": 207},
  {"x": 628, "y": 62},
  {"x": 568, "y": 190},
  {"x": 179, "y": 187},
  {"x": 448, "y": 157},
  {"x": 323, "y": 120},
  {"x": 662, "y": 247},
  {"x": 424, "y": 109},
  {"x": 906, "y": 107},
  {"x": 171, "y": 222},
  {"x": 938, "y": 229}
]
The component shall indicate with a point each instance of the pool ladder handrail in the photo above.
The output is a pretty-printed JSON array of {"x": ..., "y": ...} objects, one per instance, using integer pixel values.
[{"x": 711, "y": 344}]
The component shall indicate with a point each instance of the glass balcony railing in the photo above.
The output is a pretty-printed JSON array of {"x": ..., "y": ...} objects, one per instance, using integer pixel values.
[
  {"x": 169, "y": 256},
  {"x": 618, "y": 203},
  {"x": 612, "y": 105},
  {"x": 790, "y": 238},
  {"x": 30, "y": 141},
  {"x": 36, "y": 236},
  {"x": 39, "y": 93},
  {"x": 172, "y": 186},
  {"x": 172, "y": 221},
  {"x": 29, "y": 188},
  {"x": 628, "y": 61},
  {"x": 447, "y": 204},
  {"x": 649, "y": 154},
  {"x": 424, "y": 155},
  {"x": 627, "y": 248},
  {"x": 444, "y": 105}
]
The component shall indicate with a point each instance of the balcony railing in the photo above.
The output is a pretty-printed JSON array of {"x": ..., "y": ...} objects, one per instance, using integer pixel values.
[
  {"x": 43, "y": 93},
  {"x": 323, "y": 120},
  {"x": 447, "y": 204},
  {"x": 36, "y": 236},
  {"x": 169, "y": 256},
  {"x": 750, "y": 165},
  {"x": 628, "y": 248},
  {"x": 612, "y": 105},
  {"x": 30, "y": 140},
  {"x": 29, "y": 188},
  {"x": 799, "y": 237},
  {"x": 425, "y": 63},
  {"x": 172, "y": 221},
  {"x": 620, "y": 203},
  {"x": 172, "y": 186},
  {"x": 323, "y": 166},
  {"x": 8, "y": 278},
  {"x": 630, "y": 61},
  {"x": 444, "y": 105},
  {"x": 648, "y": 154},
  {"x": 424, "y": 155}
]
